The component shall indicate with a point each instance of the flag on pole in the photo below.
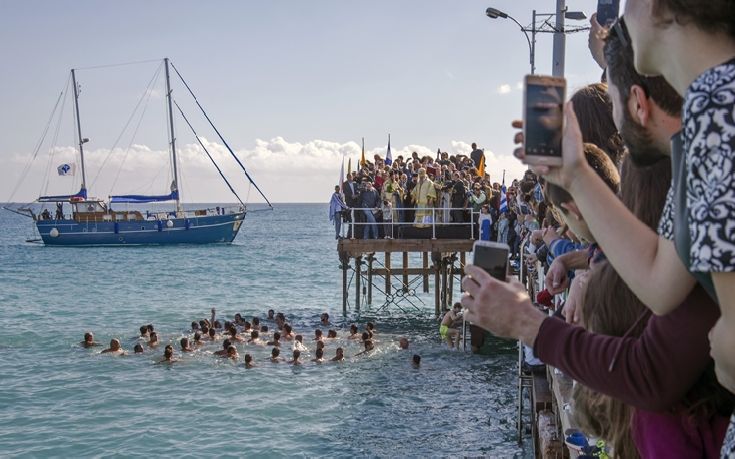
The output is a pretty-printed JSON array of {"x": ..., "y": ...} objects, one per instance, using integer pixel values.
[
  {"x": 342, "y": 173},
  {"x": 349, "y": 165},
  {"x": 438, "y": 154},
  {"x": 481, "y": 169},
  {"x": 388, "y": 155},
  {"x": 66, "y": 169},
  {"x": 503, "y": 200},
  {"x": 362, "y": 158}
]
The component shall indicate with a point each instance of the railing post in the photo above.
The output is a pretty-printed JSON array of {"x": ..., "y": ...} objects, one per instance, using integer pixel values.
[
  {"x": 352, "y": 223},
  {"x": 433, "y": 222},
  {"x": 472, "y": 224}
]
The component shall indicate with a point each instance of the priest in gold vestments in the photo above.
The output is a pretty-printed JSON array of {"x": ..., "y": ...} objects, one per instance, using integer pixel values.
[{"x": 424, "y": 195}]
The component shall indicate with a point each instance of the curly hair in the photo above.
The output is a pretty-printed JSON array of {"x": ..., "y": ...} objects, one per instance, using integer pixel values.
[{"x": 716, "y": 16}]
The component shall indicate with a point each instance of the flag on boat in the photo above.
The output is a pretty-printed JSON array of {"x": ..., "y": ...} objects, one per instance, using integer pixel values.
[
  {"x": 66, "y": 169},
  {"x": 362, "y": 158},
  {"x": 388, "y": 155},
  {"x": 503, "y": 200}
]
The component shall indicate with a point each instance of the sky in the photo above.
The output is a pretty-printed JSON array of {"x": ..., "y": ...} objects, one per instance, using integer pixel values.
[{"x": 293, "y": 86}]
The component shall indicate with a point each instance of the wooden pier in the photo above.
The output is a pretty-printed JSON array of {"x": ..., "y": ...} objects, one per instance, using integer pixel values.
[{"x": 442, "y": 259}]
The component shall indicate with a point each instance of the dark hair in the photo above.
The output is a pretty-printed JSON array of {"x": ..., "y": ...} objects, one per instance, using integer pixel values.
[
  {"x": 621, "y": 72},
  {"x": 593, "y": 108},
  {"x": 256, "y": 321},
  {"x": 716, "y": 16},
  {"x": 138, "y": 348},
  {"x": 416, "y": 358},
  {"x": 168, "y": 351},
  {"x": 275, "y": 352},
  {"x": 318, "y": 332},
  {"x": 254, "y": 334},
  {"x": 184, "y": 342},
  {"x": 88, "y": 336},
  {"x": 197, "y": 335},
  {"x": 288, "y": 328},
  {"x": 264, "y": 328},
  {"x": 248, "y": 358},
  {"x": 194, "y": 325},
  {"x": 319, "y": 353},
  {"x": 143, "y": 329},
  {"x": 150, "y": 327},
  {"x": 226, "y": 343},
  {"x": 296, "y": 354},
  {"x": 365, "y": 336},
  {"x": 276, "y": 336},
  {"x": 600, "y": 162}
]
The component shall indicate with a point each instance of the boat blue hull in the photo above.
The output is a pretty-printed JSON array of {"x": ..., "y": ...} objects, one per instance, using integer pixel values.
[{"x": 193, "y": 230}]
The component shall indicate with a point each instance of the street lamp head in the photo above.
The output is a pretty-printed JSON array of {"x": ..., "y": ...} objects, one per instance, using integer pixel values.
[
  {"x": 493, "y": 13},
  {"x": 575, "y": 15}
]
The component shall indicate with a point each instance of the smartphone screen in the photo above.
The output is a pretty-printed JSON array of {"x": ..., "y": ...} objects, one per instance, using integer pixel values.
[
  {"x": 544, "y": 119},
  {"x": 494, "y": 260},
  {"x": 607, "y": 11}
]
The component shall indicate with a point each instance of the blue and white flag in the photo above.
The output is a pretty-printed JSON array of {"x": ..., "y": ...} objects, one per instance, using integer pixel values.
[
  {"x": 66, "y": 169},
  {"x": 503, "y": 200},
  {"x": 388, "y": 155}
]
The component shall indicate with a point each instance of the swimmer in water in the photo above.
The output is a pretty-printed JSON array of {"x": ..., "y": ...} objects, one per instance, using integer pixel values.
[
  {"x": 246, "y": 327},
  {"x": 232, "y": 353},
  {"x": 225, "y": 346},
  {"x": 217, "y": 325},
  {"x": 371, "y": 328},
  {"x": 298, "y": 343},
  {"x": 353, "y": 332},
  {"x": 264, "y": 329},
  {"x": 325, "y": 319},
  {"x": 275, "y": 353},
  {"x": 319, "y": 356},
  {"x": 296, "y": 355},
  {"x": 280, "y": 320},
  {"x": 153, "y": 342},
  {"x": 213, "y": 334},
  {"x": 271, "y": 314},
  {"x": 89, "y": 340},
  {"x": 143, "y": 331},
  {"x": 416, "y": 360},
  {"x": 318, "y": 335},
  {"x": 332, "y": 334},
  {"x": 276, "y": 340},
  {"x": 138, "y": 349},
  {"x": 150, "y": 329},
  {"x": 403, "y": 343},
  {"x": 255, "y": 338},
  {"x": 365, "y": 336},
  {"x": 447, "y": 330},
  {"x": 238, "y": 319},
  {"x": 249, "y": 361},
  {"x": 114, "y": 348},
  {"x": 369, "y": 346},
  {"x": 339, "y": 356},
  {"x": 185, "y": 346},
  {"x": 320, "y": 345},
  {"x": 287, "y": 332},
  {"x": 168, "y": 355},
  {"x": 198, "y": 338},
  {"x": 256, "y": 323},
  {"x": 233, "y": 334},
  {"x": 194, "y": 326}
]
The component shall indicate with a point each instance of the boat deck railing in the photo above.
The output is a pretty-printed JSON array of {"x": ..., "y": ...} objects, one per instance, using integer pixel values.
[{"x": 135, "y": 215}]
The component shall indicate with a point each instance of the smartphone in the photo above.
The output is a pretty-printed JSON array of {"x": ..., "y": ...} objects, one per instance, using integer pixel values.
[
  {"x": 607, "y": 12},
  {"x": 543, "y": 118},
  {"x": 492, "y": 257}
]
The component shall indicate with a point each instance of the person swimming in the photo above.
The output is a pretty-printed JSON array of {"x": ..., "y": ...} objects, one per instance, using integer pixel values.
[
  {"x": 276, "y": 340},
  {"x": 194, "y": 326},
  {"x": 233, "y": 334},
  {"x": 371, "y": 328},
  {"x": 138, "y": 349},
  {"x": 319, "y": 356},
  {"x": 298, "y": 343},
  {"x": 89, "y": 340},
  {"x": 403, "y": 343},
  {"x": 198, "y": 338},
  {"x": 225, "y": 346},
  {"x": 325, "y": 319},
  {"x": 213, "y": 334},
  {"x": 114, "y": 348},
  {"x": 416, "y": 360},
  {"x": 256, "y": 323},
  {"x": 185, "y": 346},
  {"x": 280, "y": 320},
  {"x": 365, "y": 336},
  {"x": 168, "y": 355},
  {"x": 353, "y": 332},
  {"x": 143, "y": 331},
  {"x": 332, "y": 334},
  {"x": 239, "y": 320},
  {"x": 296, "y": 355},
  {"x": 339, "y": 355},
  {"x": 369, "y": 346},
  {"x": 153, "y": 341},
  {"x": 232, "y": 353},
  {"x": 249, "y": 361},
  {"x": 320, "y": 345},
  {"x": 255, "y": 338},
  {"x": 318, "y": 335},
  {"x": 271, "y": 315},
  {"x": 275, "y": 353},
  {"x": 287, "y": 332}
]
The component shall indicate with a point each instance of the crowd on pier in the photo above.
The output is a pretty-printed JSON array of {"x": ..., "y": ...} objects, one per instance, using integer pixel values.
[
  {"x": 635, "y": 238},
  {"x": 270, "y": 339}
]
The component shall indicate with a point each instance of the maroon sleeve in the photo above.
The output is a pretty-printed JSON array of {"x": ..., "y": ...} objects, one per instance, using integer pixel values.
[{"x": 651, "y": 372}]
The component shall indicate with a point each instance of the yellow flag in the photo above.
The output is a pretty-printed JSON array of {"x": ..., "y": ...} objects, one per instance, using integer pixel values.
[
  {"x": 481, "y": 169},
  {"x": 362, "y": 158},
  {"x": 349, "y": 165}
]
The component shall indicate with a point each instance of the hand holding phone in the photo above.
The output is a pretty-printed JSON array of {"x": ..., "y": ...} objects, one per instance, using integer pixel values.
[
  {"x": 543, "y": 104},
  {"x": 492, "y": 257},
  {"x": 607, "y": 11}
]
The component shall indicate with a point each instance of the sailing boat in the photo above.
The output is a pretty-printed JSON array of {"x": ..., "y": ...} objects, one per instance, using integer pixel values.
[{"x": 93, "y": 222}]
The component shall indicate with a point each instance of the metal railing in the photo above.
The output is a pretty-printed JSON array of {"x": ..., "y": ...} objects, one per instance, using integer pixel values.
[{"x": 392, "y": 223}]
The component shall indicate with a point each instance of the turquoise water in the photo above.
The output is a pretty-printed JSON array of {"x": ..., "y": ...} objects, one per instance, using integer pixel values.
[{"x": 60, "y": 400}]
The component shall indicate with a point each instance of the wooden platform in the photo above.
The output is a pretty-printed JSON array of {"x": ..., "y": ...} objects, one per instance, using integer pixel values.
[{"x": 357, "y": 247}]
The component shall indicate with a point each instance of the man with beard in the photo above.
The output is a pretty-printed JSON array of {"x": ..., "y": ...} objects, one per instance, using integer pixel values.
[{"x": 647, "y": 112}]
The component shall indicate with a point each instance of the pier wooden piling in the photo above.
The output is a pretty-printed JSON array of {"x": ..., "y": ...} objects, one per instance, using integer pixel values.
[{"x": 437, "y": 260}]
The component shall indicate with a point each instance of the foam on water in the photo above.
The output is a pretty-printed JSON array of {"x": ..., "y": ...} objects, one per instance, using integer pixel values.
[{"x": 61, "y": 400}]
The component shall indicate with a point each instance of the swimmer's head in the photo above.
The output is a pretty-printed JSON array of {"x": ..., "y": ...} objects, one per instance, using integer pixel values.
[
  {"x": 416, "y": 359},
  {"x": 226, "y": 344},
  {"x": 318, "y": 333},
  {"x": 205, "y": 330},
  {"x": 319, "y": 353},
  {"x": 256, "y": 322},
  {"x": 197, "y": 336},
  {"x": 457, "y": 307},
  {"x": 88, "y": 337},
  {"x": 115, "y": 344},
  {"x": 202, "y": 324},
  {"x": 275, "y": 352},
  {"x": 276, "y": 336},
  {"x": 264, "y": 329},
  {"x": 353, "y": 329},
  {"x": 168, "y": 352},
  {"x": 403, "y": 343},
  {"x": 238, "y": 317},
  {"x": 233, "y": 331},
  {"x": 299, "y": 338},
  {"x": 231, "y": 351},
  {"x": 365, "y": 336},
  {"x": 143, "y": 330},
  {"x": 138, "y": 349},
  {"x": 320, "y": 344},
  {"x": 254, "y": 334},
  {"x": 154, "y": 337},
  {"x": 217, "y": 324},
  {"x": 247, "y": 325},
  {"x": 340, "y": 352},
  {"x": 184, "y": 343},
  {"x": 332, "y": 334},
  {"x": 296, "y": 354},
  {"x": 370, "y": 326},
  {"x": 271, "y": 314},
  {"x": 194, "y": 325},
  {"x": 248, "y": 358},
  {"x": 287, "y": 328},
  {"x": 150, "y": 328},
  {"x": 212, "y": 332}
]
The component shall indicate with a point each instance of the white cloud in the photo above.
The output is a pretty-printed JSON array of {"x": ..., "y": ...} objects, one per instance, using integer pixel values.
[{"x": 285, "y": 171}]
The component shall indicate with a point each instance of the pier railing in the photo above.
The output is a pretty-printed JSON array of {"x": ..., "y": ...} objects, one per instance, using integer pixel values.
[{"x": 431, "y": 212}]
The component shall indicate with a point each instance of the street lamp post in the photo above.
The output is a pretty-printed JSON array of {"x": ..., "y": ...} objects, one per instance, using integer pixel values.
[{"x": 546, "y": 27}]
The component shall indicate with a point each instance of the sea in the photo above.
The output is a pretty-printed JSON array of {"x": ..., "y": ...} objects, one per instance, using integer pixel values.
[{"x": 60, "y": 400}]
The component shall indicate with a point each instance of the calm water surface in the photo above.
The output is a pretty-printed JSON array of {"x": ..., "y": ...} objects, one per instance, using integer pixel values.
[{"x": 60, "y": 400}]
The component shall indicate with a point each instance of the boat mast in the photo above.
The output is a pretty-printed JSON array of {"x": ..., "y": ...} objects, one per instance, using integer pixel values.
[
  {"x": 173, "y": 137},
  {"x": 79, "y": 128}
]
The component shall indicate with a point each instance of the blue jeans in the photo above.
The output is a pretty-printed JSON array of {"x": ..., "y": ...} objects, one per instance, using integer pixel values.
[
  {"x": 337, "y": 224},
  {"x": 370, "y": 226}
]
